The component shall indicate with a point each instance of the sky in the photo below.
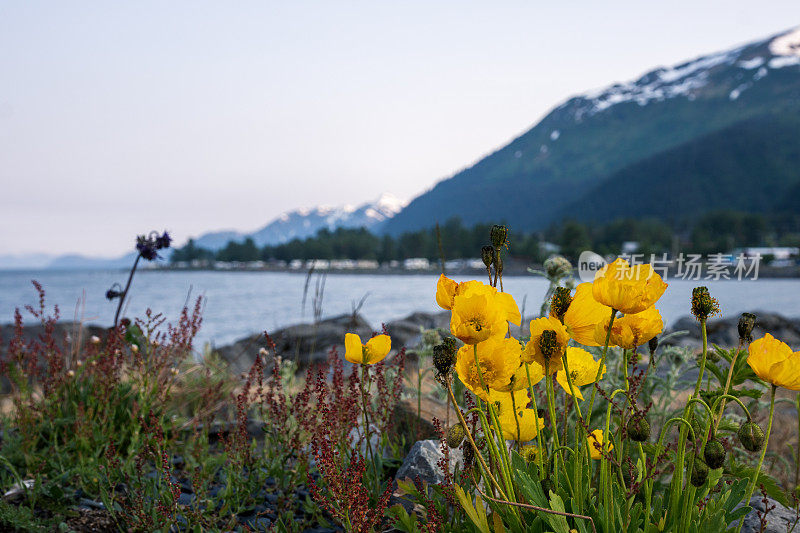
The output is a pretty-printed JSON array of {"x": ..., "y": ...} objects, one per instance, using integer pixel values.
[{"x": 121, "y": 118}]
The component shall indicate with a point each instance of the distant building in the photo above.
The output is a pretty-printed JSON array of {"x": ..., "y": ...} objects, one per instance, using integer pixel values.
[
  {"x": 779, "y": 253},
  {"x": 416, "y": 263}
]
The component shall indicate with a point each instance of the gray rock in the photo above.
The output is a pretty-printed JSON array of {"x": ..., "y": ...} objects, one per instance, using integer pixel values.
[
  {"x": 311, "y": 343},
  {"x": 407, "y": 331},
  {"x": 423, "y": 459},
  {"x": 779, "y": 520},
  {"x": 724, "y": 331},
  {"x": 306, "y": 344}
]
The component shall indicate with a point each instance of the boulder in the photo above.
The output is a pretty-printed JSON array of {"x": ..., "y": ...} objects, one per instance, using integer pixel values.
[
  {"x": 778, "y": 519},
  {"x": 724, "y": 331},
  {"x": 423, "y": 461},
  {"x": 306, "y": 344}
]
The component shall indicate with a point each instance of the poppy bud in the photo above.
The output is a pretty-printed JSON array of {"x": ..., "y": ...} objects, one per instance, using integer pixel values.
[
  {"x": 540, "y": 412},
  {"x": 699, "y": 472},
  {"x": 499, "y": 234},
  {"x": 547, "y": 486},
  {"x": 548, "y": 343},
  {"x": 703, "y": 305},
  {"x": 487, "y": 255},
  {"x": 455, "y": 435},
  {"x": 560, "y": 302},
  {"x": 529, "y": 453},
  {"x": 630, "y": 475},
  {"x": 751, "y": 436},
  {"x": 638, "y": 429},
  {"x": 714, "y": 454},
  {"x": 746, "y": 323},
  {"x": 652, "y": 344}
]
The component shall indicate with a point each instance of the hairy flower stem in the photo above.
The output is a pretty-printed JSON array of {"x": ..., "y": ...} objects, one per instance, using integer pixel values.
[
  {"x": 486, "y": 471},
  {"x": 600, "y": 368},
  {"x": 580, "y": 435},
  {"x": 501, "y": 450},
  {"x": 551, "y": 405},
  {"x": 727, "y": 385},
  {"x": 677, "y": 478},
  {"x": 539, "y": 459},
  {"x": 125, "y": 291},
  {"x": 365, "y": 405},
  {"x": 751, "y": 487}
]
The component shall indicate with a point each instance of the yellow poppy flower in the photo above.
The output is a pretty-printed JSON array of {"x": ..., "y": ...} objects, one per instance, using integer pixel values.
[
  {"x": 595, "y": 439},
  {"x": 499, "y": 359},
  {"x": 476, "y": 317},
  {"x": 582, "y": 370},
  {"x": 520, "y": 424},
  {"x": 627, "y": 289},
  {"x": 774, "y": 361},
  {"x": 631, "y": 331},
  {"x": 583, "y": 315},
  {"x": 447, "y": 290},
  {"x": 370, "y": 353},
  {"x": 533, "y": 350},
  {"x": 519, "y": 380}
]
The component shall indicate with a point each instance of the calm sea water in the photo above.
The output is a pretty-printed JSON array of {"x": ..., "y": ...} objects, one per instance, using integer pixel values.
[{"x": 241, "y": 303}]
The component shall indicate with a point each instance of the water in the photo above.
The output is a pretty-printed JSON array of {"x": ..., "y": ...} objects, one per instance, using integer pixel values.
[{"x": 242, "y": 303}]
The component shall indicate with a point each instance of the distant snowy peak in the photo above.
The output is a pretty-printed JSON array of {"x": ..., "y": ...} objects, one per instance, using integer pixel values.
[{"x": 690, "y": 78}]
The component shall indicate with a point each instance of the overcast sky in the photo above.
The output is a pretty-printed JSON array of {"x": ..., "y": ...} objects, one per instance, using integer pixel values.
[{"x": 118, "y": 118}]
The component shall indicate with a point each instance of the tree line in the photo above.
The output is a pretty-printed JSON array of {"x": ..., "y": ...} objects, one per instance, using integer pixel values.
[{"x": 714, "y": 232}]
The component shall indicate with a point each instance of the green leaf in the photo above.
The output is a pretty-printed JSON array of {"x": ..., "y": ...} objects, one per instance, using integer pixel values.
[
  {"x": 557, "y": 522},
  {"x": 476, "y": 515}
]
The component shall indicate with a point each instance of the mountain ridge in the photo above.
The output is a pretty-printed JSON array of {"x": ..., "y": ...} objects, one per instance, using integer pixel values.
[{"x": 592, "y": 135}]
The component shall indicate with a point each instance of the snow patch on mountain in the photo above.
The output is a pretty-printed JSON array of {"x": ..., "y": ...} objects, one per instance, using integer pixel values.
[
  {"x": 787, "y": 44},
  {"x": 306, "y": 222}
]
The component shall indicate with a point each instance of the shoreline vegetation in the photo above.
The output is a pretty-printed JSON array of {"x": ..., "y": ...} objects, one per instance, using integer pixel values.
[{"x": 589, "y": 416}]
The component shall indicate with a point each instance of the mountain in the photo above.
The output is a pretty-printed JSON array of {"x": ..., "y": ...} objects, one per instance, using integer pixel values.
[
  {"x": 24, "y": 261},
  {"x": 554, "y": 169},
  {"x": 303, "y": 223}
]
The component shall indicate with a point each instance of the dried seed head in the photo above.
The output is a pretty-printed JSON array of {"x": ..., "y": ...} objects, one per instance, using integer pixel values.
[
  {"x": 560, "y": 302},
  {"x": 549, "y": 345},
  {"x": 703, "y": 305},
  {"x": 652, "y": 345},
  {"x": 499, "y": 235},
  {"x": 746, "y": 324},
  {"x": 487, "y": 255}
]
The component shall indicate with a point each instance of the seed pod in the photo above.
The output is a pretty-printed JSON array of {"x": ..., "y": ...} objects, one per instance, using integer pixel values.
[
  {"x": 699, "y": 472},
  {"x": 652, "y": 345},
  {"x": 548, "y": 343},
  {"x": 547, "y": 486},
  {"x": 703, "y": 305},
  {"x": 487, "y": 255},
  {"x": 455, "y": 435},
  {"x": 443, "y": 359},
  {"x": 499, "y": 234},
  {"x": 638, "y": 429},
  {"x": 746, "y": 323},
  {"x": 469, "y": 456},
  {"x": 714, "y": 454},
  {"x": 560, "y": 302},
  {"x": 751, "y": 436}
]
